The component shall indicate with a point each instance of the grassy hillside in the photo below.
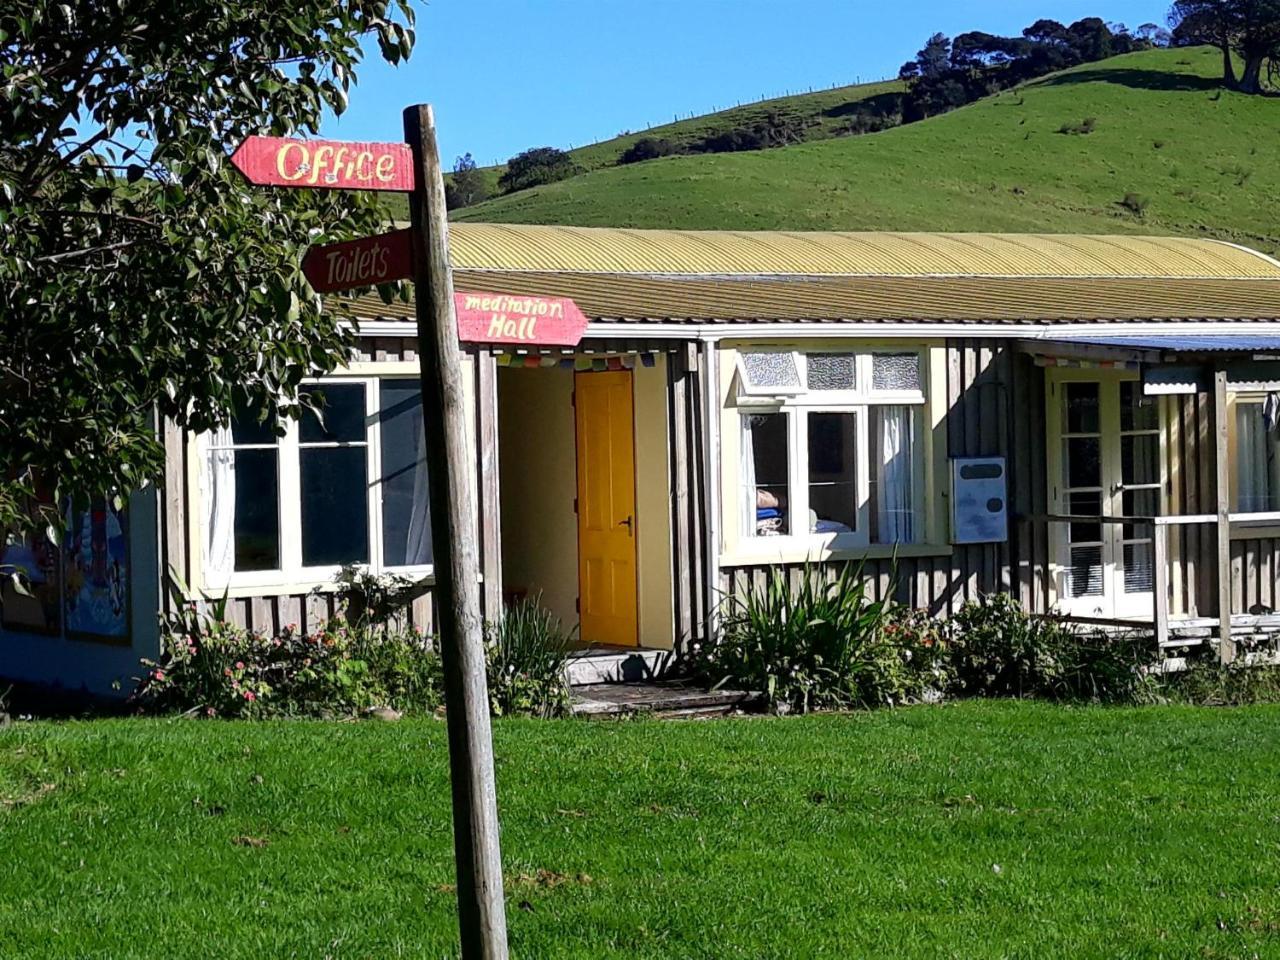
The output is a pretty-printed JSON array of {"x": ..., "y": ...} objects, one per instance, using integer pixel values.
[
  {"x": 823, "y": 114},
  {"x": 1202, "y": 158}
]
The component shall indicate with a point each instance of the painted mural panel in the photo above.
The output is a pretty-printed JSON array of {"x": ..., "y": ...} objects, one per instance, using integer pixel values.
[
  {"x": 37, "y": 607},
  {"x": 95, "y": 573}
]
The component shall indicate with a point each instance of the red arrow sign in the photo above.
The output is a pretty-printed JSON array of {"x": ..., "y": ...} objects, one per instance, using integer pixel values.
[
  {"x": 325, "y": 164},
  {"x": 518, "y": 319},
  {"x": 359, "y": 263}
]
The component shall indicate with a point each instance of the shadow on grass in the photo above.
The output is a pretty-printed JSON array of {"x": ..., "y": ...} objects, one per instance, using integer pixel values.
[
  {"x": 1137, "y": 79},
  {"x": 881, "y": 105}
]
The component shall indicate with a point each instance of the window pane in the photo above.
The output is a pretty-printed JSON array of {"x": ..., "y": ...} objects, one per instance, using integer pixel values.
[
  {"x": 1084, "y": 572},
  {"x": 245, "y": 428},
  {"x": 1139, "y": 575},
  {"x": 1080, "y": 408},
  {"x": 1083, "y": 467},
  {"x": 895, "y": 371},
  {"x": 1087, "y": 504},
  {"x": 1256, "y": 465},
  {"x": 406, "y": 519},
  {"x": 344, "y": 415},
  {"x": 830, "y": 371},
  {"x": 256, "y": 520},
  {"x": 1137, "y": 411},
  {"x": 1140, "y": 459},
  {"x": 335, "y": 518},
  {"x": 833, "y": 473},
  {"x": 894, "y": 435},
  {"x": 771, "y": 370},
  {"x": 764, "y": 475}
]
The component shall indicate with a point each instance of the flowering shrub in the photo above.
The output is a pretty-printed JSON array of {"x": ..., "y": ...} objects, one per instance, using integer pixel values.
[
  {"x": 214, "y": 668},
  {"x": 924, "y": 648}
]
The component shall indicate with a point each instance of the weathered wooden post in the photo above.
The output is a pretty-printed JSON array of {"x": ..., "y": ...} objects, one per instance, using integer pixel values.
[{"x": 481, "y": 913}]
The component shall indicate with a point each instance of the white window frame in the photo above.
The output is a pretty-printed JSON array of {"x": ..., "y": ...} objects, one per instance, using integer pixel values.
[
  {"x": 292, "y": 573},
  {"x": 796, "y": 406}
]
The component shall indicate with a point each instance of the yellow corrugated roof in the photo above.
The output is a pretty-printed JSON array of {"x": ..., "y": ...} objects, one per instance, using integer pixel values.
[
  {"x": 515, "y": 248},
  {"x": 858, "y": 277}
]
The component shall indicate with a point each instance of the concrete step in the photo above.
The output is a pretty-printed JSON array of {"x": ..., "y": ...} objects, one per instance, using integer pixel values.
[{"x": 594, "y": 666}]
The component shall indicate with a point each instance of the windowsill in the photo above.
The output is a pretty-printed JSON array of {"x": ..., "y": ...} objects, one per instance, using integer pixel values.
[
  {"x": 241, "y": 591},
  {"x": 792, "y": 554}
]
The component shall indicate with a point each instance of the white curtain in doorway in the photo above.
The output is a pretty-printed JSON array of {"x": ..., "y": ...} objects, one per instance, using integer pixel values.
[
  {"x": 896, "y": 475},
  {"x": 220, "y": 506},
  {"x": 418, "y": 546}
]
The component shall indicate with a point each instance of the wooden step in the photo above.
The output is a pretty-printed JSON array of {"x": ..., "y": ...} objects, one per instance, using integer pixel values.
[{"x": 664, "y": 698}]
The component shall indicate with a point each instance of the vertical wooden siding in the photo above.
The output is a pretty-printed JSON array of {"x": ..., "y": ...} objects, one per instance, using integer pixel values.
[
  {"x": 686, "y": 399},
  {"x": 995, "y": 407}
]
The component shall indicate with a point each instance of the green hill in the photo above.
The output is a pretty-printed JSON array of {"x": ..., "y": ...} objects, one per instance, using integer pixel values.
[
  {"x": 1169, "y": 152},
  {"x": 822, "y": 115}
]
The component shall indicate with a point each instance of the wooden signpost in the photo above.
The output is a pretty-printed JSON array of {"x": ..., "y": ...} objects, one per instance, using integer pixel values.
[{"x": 414, "y": 167}]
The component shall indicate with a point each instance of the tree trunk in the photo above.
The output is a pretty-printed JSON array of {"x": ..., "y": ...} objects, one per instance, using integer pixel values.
[
  {"x": 1251, "y": 80},
  {"x": 1228, "y": 67}
]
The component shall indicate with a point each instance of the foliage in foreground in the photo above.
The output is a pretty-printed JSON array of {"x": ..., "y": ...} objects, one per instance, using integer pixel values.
[
  {"x": 138, "y": 270},
  {"x": 808, "y": 644},
  {"x": 527, "y": 650},
  {"x": 215, "y": 668},
  {"x": 369, "y": 658}
]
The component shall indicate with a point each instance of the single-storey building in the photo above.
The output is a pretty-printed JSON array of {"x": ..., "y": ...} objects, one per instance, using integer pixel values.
[{"x": 1089, "y": 423}]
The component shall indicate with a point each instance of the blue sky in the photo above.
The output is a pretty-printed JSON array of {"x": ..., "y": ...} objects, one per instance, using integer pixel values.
[{"x": 505, "y": 75}]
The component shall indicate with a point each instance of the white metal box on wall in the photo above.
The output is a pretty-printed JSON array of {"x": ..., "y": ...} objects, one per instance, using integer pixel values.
[{"x": 979, "y": 500}]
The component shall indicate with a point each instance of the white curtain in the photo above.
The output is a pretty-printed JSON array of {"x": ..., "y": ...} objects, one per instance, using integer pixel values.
[
  {"x": 748, "y": 484},
  {"x": 896, "y": 475},
  {"x": 1254, "y": 456},
  {"x": 418, "y": 545},
  {"x": 220, "y": 506}
]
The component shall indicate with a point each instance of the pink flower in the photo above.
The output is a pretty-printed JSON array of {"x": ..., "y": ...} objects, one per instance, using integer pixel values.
[
  {"x": 250, "y": 695},
  {"x": 239, "y": 664},
  {"x": 226, "y": 672},
  {"x": 158, "y": 674}
]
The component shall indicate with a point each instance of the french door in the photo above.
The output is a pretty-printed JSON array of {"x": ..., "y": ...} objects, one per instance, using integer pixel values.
[{"x": 1105, "y": 460}]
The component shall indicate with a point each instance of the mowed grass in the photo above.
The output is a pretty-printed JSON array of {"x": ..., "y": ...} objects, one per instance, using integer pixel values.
[
  {"x": 975, "y": 830},
  {"x": 1202, "y": 157}
]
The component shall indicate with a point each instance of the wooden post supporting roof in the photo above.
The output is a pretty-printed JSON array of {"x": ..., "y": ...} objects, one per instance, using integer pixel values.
[
  {"x": 1222, "y": 485},
  {"x": 489, "y": 503},
  {"x": 482, "y": 919}
]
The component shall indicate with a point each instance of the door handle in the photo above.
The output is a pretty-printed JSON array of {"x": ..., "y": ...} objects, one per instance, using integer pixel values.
[{"x": 628, "y": 524}]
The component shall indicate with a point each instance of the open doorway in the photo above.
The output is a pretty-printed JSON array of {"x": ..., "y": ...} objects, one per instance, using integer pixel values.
[{"x": 584, "y": 499}]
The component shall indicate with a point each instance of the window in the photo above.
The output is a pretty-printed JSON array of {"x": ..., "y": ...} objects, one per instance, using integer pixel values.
[
  {"x": 291, "y": 503},
  {"x": 832, "y": 446},
  {"x": 1257, "y": 459}
]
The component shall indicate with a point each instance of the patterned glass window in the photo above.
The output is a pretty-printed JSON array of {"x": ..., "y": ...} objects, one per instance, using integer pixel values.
[
  {"x": 895, "y": 371},
  {"x": 831, "y": 371},
  {"x": 771, "y": 371}
]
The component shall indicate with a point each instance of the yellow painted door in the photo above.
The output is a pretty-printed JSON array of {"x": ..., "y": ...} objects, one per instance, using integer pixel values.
[{"x": 606, "y": 508}]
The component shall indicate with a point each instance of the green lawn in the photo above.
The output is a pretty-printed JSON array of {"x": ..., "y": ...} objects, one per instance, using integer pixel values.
[
  {"x": 974, "y": 830},
  {"x": 1202, "y": 157}
]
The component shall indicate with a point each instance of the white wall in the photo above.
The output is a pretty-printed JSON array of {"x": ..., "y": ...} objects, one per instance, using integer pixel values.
[{"x": 538, "y": 477}]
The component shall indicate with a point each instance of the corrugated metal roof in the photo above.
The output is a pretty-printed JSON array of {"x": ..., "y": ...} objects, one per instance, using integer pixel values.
[
  {"x": 513, "y": 248},
  {"x": 860, "y": 277},
  {"x": 1216, "y": 343}
]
